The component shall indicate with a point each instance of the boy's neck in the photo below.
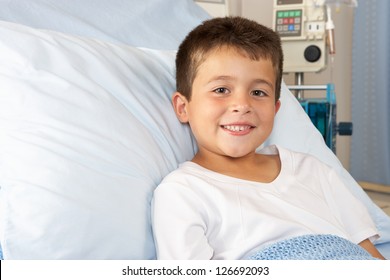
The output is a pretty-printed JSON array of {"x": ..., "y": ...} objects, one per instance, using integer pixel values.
[{"x": 253, "y": 167}]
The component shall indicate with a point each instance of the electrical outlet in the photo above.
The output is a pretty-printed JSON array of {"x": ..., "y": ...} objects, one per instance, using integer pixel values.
[{"x": 315, "y": 27}]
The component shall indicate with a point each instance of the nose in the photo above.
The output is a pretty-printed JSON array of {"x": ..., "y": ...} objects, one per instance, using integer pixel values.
[{"x": 241, "y": 104}]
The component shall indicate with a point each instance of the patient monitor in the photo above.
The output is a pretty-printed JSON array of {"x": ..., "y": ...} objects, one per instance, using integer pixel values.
[{"x": 302, "y": 26}]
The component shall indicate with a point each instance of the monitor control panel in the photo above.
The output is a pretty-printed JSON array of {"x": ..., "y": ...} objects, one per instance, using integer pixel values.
[
  {"x": 288, "y": 22},
  {"x": 301, "y": 26}
]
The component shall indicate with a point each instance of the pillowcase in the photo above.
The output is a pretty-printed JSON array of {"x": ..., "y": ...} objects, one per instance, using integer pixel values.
[
  {"x": 87, "y": 132},
  {"x": 148, "y": 23}
]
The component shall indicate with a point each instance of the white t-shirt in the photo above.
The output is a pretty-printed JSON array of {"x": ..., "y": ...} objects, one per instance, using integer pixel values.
[{"x": 201, "y": 214}]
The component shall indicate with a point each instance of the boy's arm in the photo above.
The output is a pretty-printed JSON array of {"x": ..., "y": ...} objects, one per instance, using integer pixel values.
[
  {"x": 179, "y": 224},
  {"x": 350, "y": 211},
  {"x": 369, "y": 247}
]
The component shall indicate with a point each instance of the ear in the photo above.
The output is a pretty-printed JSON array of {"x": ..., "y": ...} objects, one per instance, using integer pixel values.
[
  {"x": 277, "y": 106},
  {"x": 180, "y": 103}
]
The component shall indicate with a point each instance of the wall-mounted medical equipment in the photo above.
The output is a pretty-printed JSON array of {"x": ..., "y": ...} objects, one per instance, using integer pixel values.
[
  {"x": 304, "y": 27},
  {"x": 322, "y": 113},
  {"x": 306, "y": 30}
]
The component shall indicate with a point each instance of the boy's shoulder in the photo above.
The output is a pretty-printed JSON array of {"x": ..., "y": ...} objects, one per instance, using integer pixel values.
[
  {"x": 283, "y": 152},
  {"x": 295, "y": 159},
  {"x": 185, "y": 172},
  {"x": 188, "y": 180}
]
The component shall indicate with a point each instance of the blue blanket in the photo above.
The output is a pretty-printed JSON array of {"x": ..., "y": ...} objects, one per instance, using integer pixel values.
[{"x": 313, "y": 247}]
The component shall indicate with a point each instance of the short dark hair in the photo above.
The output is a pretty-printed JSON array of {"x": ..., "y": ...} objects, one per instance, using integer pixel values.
[{"x": 247, "y": 36}]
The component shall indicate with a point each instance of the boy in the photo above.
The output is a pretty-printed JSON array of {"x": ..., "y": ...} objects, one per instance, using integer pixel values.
[{"x": 229, "y": 201}]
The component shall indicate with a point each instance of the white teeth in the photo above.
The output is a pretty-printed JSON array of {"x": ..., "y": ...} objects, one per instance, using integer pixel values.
[{"x": 236, "y": 128}]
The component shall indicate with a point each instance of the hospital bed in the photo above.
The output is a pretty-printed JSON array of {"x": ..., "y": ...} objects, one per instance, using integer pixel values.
[{"x": 87, "y": 130}]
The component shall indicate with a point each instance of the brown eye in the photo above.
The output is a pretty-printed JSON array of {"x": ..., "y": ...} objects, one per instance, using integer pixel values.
[
  {"x": 221, "y": 90},
  {"x": 258, "y": 93}
]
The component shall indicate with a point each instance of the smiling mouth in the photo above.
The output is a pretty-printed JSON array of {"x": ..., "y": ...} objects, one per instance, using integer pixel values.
[{"x": 237, "y": 128}]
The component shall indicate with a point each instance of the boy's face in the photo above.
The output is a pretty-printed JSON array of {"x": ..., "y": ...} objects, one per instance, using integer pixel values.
[{"x": 232, "y": 107}]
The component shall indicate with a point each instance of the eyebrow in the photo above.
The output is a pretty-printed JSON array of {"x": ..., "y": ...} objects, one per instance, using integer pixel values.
[
  {"x": 228, "y": 78},
  {"x": 220, "y": 78}
]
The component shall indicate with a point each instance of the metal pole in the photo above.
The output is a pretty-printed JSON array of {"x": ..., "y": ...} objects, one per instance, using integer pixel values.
[{"x": 299, "y": 81}]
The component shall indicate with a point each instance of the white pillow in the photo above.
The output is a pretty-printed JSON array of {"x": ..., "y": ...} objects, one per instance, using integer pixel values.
[
  {"x": 86, "y": 133},
  {"x": 157, "y": 24}
]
